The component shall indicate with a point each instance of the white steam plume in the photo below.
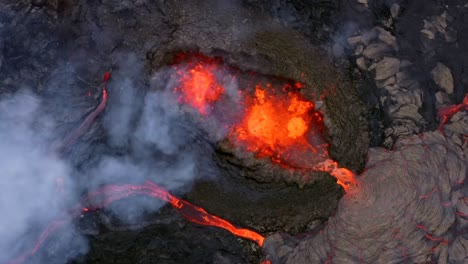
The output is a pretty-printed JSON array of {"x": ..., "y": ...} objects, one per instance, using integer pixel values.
[{"x": 30, "y": 193}]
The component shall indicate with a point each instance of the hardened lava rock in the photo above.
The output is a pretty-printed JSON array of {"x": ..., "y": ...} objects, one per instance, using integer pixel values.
[{"x": 410, "y": 206}]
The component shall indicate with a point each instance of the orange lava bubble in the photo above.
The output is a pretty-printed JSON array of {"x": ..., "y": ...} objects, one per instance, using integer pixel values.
[
  {"x": 275, "y": 123},
  {"x": 199, "y": 87}
]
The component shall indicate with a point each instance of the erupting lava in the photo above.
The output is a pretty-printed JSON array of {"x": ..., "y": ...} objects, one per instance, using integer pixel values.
[
  {"x": 277, "y": 125},
  {"x": 198, "y": 86},
  {"x": 277, "y": 122},
  {"x": 111, "y": 193},
  {"x": 280, "y": 126}
]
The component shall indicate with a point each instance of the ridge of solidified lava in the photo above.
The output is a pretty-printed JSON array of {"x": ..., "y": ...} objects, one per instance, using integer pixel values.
[{"x": 411, "y": 207}]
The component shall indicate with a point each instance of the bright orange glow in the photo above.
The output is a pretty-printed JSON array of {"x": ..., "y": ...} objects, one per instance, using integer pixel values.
[
  {"x": 111, "y": 193},
  {"x": 189, "y": 211},
  {"x": 446, "y": 113},
  {"x": 198, "y": 215},
  {"x": 199, "y": 87},
  {"x": 345, "y": 177},
  {"x": 276, "y": 124}
]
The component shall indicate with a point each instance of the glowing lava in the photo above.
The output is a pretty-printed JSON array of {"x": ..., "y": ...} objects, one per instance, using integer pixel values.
[
  {"x": 447, "y": 112},
  {"x": 73, "y": 137},
  {"x": 274, "y": 124},
  {"x": 193, "y": 213},
  {"x": 345, "y": 177},
  {"x": 199, "y": 87},
  {"x": 111, "y": 193},
  {"x": 277, "y": 122}
]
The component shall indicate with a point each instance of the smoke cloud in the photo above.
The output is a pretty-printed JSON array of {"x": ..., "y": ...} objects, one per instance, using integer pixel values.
[
  {"x": 35, "y": 180},
  {"x": 153, "y": 131},
  {"x": 149, "y": 136}
]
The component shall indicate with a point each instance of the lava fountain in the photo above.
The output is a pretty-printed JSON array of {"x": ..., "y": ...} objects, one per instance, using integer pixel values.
[
  {"x": 198, "y": 81},
  {"x": 279, "y": 126},
  {"x": 277, "y": 121}
]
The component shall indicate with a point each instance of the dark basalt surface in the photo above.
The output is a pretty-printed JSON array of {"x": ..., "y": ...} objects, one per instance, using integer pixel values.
[{"x": 60, "y": 48}]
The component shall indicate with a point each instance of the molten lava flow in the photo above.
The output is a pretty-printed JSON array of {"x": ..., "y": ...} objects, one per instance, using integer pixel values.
[
  {"x": 189, "y": 211},
  {"x": 77, "y": 133},
  {"x": 111, "y": 193},
  {"x": 52, "y": 227},
  {"x": 276, "y": 125},
  {"x": 345, "y": 177},
  {"x": 198, "y": 215},
  {"x": 199, "y": 87},
  {"x": 447, "y": 112}
]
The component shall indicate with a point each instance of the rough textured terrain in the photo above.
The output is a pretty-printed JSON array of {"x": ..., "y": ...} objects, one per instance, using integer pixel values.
[
  {"x": 59, "y": 49},
  {"x": 380, "y": 70},
  {"x": 421, "y": 219},
  {"x": 412, "y": 49}
]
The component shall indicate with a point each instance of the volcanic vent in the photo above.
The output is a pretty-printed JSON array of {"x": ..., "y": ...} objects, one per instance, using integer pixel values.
[
  {"x": 233, "y": 132},
  {"x": 276, "y": 126}
]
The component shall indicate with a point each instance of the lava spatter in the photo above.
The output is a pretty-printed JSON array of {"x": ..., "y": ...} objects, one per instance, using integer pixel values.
[
  {"x": 276, "y": 122},
  {"x": 278, "y": 126},
  {"x": 198, "y": 86}
]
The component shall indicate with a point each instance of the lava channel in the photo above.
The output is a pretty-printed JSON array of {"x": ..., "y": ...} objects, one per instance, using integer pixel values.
[
  {"x": 111, "y": 193},
  {"x": 72, "y": 137}
]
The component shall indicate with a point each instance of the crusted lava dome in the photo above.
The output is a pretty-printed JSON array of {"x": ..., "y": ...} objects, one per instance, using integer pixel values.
[{"x": 421, "y": 219}]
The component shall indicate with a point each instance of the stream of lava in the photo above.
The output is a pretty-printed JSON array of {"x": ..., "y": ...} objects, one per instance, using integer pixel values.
[
  {"x": 72, "y": 137},
  {"x": 193, "y": 213},
  {"x": 275, "y": 124},
  {"x": 111, "y": 193}
]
